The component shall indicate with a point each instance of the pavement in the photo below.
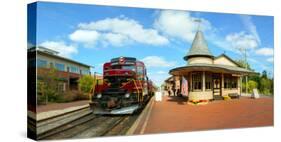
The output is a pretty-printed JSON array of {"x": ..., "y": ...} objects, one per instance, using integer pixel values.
[
  {"x": 54, "y": 109},
  {"x": 173, "y": 114},
  {"x": 59, "y": 106}
]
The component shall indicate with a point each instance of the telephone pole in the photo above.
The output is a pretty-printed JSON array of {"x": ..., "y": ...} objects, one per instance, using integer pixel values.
[
  {"x": 246, "y": 66},
  {"x": 244, "y": 51}
]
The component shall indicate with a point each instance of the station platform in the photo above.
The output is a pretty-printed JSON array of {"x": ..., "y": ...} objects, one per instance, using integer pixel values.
[
  {"x": 54, "y": 109},
  {"x": 174, "y": 114},
  {"x": 59, "y": 106}
]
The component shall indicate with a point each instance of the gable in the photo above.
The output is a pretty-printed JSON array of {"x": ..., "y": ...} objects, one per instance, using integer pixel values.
[{"x": 223, "y": 60}]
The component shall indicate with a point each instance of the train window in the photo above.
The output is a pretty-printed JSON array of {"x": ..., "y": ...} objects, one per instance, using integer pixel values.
[
  {"x": 116, "y": 67},
  {"x": 140, "y": 72},
  {"x": 126, "y": 67},
  {"x": 129, "y": 68}
]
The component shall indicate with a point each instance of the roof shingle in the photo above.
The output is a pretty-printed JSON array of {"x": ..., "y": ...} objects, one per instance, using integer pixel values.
[{"x": 199, "y": 47}]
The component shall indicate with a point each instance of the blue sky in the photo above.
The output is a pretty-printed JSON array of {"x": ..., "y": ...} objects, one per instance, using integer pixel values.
[{"x": 161, "y": 38}]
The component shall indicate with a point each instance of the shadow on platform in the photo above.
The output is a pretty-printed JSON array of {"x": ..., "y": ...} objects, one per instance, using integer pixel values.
[{"x": 178, "y": 99}]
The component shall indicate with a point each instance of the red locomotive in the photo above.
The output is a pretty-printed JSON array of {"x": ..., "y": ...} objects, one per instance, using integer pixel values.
[{"x": 125, "y": 88}]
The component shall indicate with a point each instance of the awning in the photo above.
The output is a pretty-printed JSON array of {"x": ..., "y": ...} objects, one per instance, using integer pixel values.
[{"x": 212, "y": 68}]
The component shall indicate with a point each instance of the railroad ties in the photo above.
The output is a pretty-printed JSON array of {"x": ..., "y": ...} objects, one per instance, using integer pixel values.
[{"x": 81, "y": 123}]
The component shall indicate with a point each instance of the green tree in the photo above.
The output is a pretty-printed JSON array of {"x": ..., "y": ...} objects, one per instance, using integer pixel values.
[
  {"x": 252, "y": 85},
  {"x": 266, "y": 86},
  {"x": 264, "y": 74},
  {"x": 47, "y": 87},
  {"x": 86, "y": 83},
  {"x": 262, "y": 82}
]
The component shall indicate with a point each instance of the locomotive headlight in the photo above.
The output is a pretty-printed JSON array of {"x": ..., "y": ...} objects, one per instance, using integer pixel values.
[
  {"x": 99, "y": 96},
  {"x": 127, "y": 95}
]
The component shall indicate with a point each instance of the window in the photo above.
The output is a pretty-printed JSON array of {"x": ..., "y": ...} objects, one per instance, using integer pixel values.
[
  {"x": 59, "y": 67},
  {"x": 61, "y": 87},
  {"x": 208, "y": 80},
  {"x": 197, "y": 81},
  {"x": 129, "y": 68},
  {"x": 140, "y": 72},
  {"x": 74, "y": 69},
  {"x": 41, "y": 63},
  {"x": 85, "y": 72},
  {"x": 126, "y": 67},
  {"x": 227, "y": 79},
  {"x": 234, "y": 82},
  {"x": 230, "y": 82}
]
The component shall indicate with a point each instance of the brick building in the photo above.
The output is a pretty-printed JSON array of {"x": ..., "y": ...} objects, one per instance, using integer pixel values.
[{"x": 68, "y": 71}]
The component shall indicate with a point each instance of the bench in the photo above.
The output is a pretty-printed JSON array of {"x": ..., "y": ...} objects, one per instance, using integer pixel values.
[{"x": 234, "y": 95}]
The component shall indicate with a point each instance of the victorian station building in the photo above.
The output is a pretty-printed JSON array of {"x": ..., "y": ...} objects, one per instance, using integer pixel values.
[{"x": 209, "y": 77}]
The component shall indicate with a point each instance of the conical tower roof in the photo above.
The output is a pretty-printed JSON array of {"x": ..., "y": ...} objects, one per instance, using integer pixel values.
[{"x": 199, "y": 47}]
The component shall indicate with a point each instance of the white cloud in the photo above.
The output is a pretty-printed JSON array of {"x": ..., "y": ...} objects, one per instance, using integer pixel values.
[
  {"x": 179, "y": 24},
  {"x": 242, "y": 40},
  {"x": 270, "y": 59},
  {"x": 251, "y": 27},
  {"x": 123, "y": 29},
  {"x": 265, "y": 51},
  {"x": 233, "y": 42},
  {"x": 155, "y": 61},
  {"x": 84, "y": 36},
  {"x": 61, "y": 47},
  {"x": 115, "y": 39}
]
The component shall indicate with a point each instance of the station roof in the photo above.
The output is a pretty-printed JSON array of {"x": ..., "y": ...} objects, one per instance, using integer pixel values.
[
  {"x": 210, "y": 67},
  {"x": 63, "y": 58},
  {"x": 53, "y": 54},
  {"x": 199, "y": 47}
]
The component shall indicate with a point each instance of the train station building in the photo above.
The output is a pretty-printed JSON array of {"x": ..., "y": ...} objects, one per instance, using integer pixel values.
[{"x": 208, "y": 77}]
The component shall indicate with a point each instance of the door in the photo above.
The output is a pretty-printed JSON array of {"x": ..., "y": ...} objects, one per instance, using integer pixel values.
[{"x": 216, "y": 85}]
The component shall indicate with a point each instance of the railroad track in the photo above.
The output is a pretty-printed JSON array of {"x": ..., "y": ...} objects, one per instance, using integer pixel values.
[
  {"x": 93, "y": 127},
  {"x": 47, "y": 126},
  {"x": 81, "y": 124}
]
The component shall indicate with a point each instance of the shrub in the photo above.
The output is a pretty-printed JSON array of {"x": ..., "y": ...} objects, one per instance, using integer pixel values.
[
  {"x": 266, "y": 86},
  {"x": 82, "y": 96},
  {"x": 68, "y": 96},
  {"x": 252, "y": 85}
]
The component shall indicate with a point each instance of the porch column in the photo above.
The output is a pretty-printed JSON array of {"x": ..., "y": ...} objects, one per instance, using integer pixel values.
[
  {"x": 240, "y": 85},
  {"x": 190, "y": 81},
  {"x": 222, "y": 84},
  {"x": 203, "y": 80}
]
